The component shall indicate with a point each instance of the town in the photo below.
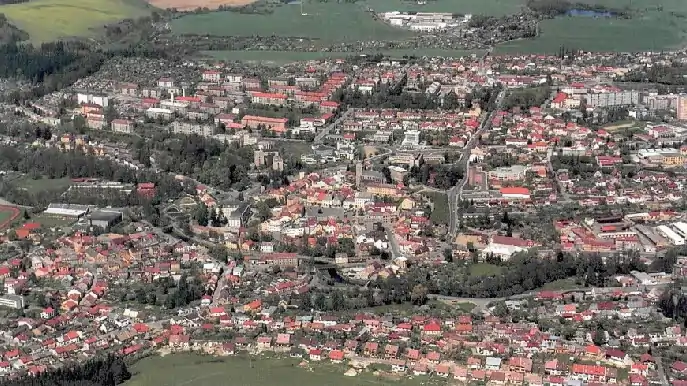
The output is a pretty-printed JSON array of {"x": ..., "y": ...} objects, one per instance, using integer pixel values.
[{"x": 478, "y": 220}]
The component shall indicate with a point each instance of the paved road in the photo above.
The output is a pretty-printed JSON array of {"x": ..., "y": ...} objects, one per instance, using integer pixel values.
[
  {"x": 320, "y": 136},
  {"x": 455, "y": 193}
]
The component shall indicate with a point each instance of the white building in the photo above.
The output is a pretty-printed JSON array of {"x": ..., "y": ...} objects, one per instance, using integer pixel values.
[
  {"x": 100, "y": 100},
  {"x": 668, "y": 233},
  {"x": 411, "y": 139}
]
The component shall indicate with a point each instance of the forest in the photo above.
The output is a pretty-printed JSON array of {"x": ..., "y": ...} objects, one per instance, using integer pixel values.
[{"x": 108, "y": 371}]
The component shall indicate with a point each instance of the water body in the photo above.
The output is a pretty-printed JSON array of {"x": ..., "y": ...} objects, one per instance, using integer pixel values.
[{"x": 589, "y": 13}]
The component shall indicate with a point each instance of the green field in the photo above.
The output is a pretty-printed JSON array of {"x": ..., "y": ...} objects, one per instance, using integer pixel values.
[
  {"x": 51, "y": 221},
  {"x": 328, "y": 22},
  {"x": 42, "y": 184},
  {"x": 280, "y": 57},
  {"x": 474, "y": 7},
  {"x": 485, "y": 269},
  {"x": 598, "y": 34},
  {"x": 196, "y": 370},
  {"x": 47, "y": 20},
  {"x": 440, "y": 213}
]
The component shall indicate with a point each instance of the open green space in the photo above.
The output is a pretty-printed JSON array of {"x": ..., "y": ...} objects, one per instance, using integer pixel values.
[
  {"x": 485, "y": 269},
  {"x": 280, "y": 57},
  {"x": 465, "y": 7},
  {"x": 655, "y": 25},
  {"x": 5, "y": 215},
  {"x": 328, "y": 22},
  {"x": 51, "y": 221},
  {"x": 196, "y": 370},
  {"x": 563, "y": 284},
  {"x": 48, "y": 20},
  {"x": 440, "y": 213},
  {"x": 43, "y": 184}
]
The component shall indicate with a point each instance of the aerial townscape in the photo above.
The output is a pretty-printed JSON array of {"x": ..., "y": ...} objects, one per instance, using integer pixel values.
[{"x": 356, "y": 192}]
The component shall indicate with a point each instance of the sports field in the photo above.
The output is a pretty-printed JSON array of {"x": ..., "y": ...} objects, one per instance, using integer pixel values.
[
  {"x": 196, "y": 370},
  {"x": 7, "y": 215},
  {"x": 474, "y": 7},
  {"x": 47, "y": 20},
  {"x": 42, "y": 184},
  {"x": 328, "y": 22}
]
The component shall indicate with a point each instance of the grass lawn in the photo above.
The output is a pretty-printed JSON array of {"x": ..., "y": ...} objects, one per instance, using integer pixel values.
[
  {"x": 42, "y": 184},
  {"x": 440, "y": 213},
  {"x": 474, "y": 7},
  {"x": 485, "y": 269},
  {"x": 328, "y": 22},
  {"x": 48, "y": 20},
  {"x": 196, "y": 370},
  {"x": 50, "y": 221},
  {"x": 562, "y": 284},
  {"x": 281, "y": 57},
  {"x": 7, "y": 215}
]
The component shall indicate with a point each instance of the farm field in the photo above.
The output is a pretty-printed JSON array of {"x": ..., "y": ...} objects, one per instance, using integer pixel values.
[
  {"x": 7, "y": 215},
  {"x": 196, "y": 370},
  {"x": 329, "y": 22},
  {"x": 474, "y": 7},
  {"x": 48, "y": 20},
  {"x": 280, "y": 57},
  {"x": 650, "y": 29},
  {"x": 597, "y": 34}
]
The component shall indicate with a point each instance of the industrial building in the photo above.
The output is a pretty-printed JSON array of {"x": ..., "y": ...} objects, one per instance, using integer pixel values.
[
  {"x": 67, "y": 210},
  {"x": 668, "y": 233}
]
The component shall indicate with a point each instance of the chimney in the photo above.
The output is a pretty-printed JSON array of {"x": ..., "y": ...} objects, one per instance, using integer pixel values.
[
  {"x": 171, "y": 96},
  {"x": 183, "y": 91}
]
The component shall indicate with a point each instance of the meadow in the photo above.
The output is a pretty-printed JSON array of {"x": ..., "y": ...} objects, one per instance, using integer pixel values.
[
  {"x": 328, "y": 22},
  {"x": 48, "y": 20},
  {"x": 196, "y": 370}
]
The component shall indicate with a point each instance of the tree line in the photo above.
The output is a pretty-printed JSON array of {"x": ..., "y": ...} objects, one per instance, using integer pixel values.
[
  {"x": 52, "y": 163},
  {"x": 108, "y": 371}
]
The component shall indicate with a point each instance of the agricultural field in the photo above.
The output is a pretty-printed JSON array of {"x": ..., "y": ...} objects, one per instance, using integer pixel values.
[
  {"x": 196, "y": 370},
  {"x": 650, "y": 29},
  {"x": 328, "y": 22},
  {"x": 48, "y": 20},
  {"x": 7, "y": 215},
  {"x": 486, "y": 7},
  {"x": 282, "y": 57}
]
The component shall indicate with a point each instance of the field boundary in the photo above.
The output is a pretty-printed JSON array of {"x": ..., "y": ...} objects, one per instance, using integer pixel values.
[{"x": 15, "y": 213}]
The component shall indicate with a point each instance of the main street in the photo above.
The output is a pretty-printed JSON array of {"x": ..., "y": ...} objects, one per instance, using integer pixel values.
[
  {"x": 325, "y": 130},
  {"x": 456, "y": 192}
]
